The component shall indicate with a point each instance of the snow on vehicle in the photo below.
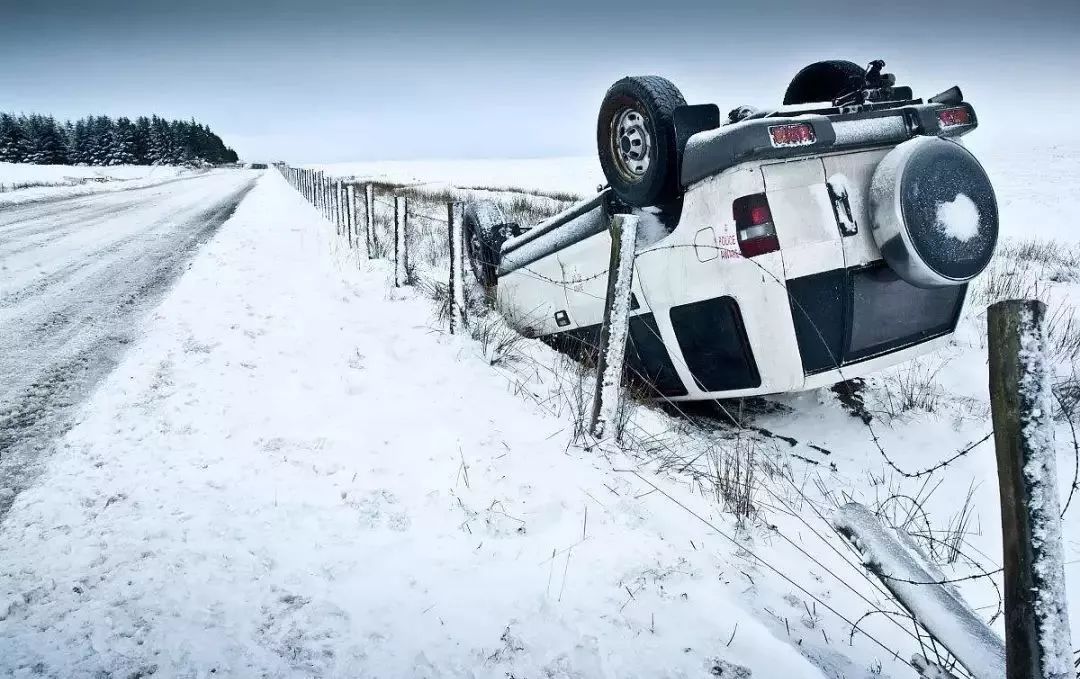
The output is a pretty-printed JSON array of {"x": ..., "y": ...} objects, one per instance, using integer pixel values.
[{"x": 780, "y": 251}]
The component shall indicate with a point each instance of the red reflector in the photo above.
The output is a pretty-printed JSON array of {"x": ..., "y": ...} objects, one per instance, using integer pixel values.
[
  {"x": 759, "y": 246},
  {"x": 954, "y": 116},
  {"x": 797, "y": 134}
]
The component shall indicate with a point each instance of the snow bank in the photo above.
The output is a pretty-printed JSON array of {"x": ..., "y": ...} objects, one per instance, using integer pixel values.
[
  {"x": 292, "y": 475},
  {"x": 25, "y": 183}
]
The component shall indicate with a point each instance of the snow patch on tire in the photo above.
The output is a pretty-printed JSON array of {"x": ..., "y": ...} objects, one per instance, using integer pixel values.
[{"x": 958, "y": 218}]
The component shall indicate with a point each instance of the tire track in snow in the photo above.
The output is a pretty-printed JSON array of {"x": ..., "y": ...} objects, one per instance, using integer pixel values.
[{"x": 74, "y": 328}]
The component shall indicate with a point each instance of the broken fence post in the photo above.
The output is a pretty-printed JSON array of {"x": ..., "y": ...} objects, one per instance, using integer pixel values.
[
  {"x": 456, "y": 285},
  {"x": 609, "y": 364},
  {"x": 938, "y": 608},
  {"x": 1036, "y": 615}
]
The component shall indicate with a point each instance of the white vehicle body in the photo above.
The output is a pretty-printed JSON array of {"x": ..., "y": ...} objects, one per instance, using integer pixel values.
[{"x": 709, "y": 321}]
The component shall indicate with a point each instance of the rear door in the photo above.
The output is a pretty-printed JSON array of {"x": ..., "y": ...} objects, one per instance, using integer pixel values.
[
  {"x": 848, "y": 177},
  {"x": 803, "y": 217}
]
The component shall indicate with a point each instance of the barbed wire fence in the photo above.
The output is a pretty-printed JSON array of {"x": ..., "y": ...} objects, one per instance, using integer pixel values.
[{"x": 402, "y": 221}]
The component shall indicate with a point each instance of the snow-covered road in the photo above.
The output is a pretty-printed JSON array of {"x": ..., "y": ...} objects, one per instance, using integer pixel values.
[{"x": 75, "y": 277}]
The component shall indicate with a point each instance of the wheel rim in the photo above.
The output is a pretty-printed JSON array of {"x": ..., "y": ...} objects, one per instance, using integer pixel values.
[{"x": 631, "y": 144}]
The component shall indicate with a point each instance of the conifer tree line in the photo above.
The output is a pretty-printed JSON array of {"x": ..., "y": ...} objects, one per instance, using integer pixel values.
[{"x": 101, "y": 140}]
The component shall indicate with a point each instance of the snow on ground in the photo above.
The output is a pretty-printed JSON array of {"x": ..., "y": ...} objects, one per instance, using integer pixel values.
[
  {"x": 577, "y": 175},
  {"x": 926, "y": 411},
  {"x": 24, "y": 182},
  {"x": 293, "y": 474}
]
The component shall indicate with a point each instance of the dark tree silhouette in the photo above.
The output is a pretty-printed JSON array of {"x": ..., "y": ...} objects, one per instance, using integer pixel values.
[{"x": 100, "y": 140}]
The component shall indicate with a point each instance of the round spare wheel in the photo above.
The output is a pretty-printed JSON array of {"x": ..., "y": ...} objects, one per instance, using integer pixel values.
[
  {"x": 635, "y": 138},
  {"x": 934, "y": 212}
]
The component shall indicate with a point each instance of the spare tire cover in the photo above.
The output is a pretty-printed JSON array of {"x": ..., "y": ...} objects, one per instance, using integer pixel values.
[{"x": 934, "y": 212}]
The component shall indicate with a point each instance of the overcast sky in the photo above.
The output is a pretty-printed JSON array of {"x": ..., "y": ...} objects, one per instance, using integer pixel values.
[{"x": 332, "y": 80}]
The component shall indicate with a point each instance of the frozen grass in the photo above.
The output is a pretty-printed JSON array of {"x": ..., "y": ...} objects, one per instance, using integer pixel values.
[
  {"x": 73, "y": 181},
  {"x": 1036, "y": 269},
  {"x": 912, "y": 386}
]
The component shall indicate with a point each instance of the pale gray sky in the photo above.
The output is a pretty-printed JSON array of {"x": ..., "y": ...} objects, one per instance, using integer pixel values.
[{"x": 332, "y": 80}]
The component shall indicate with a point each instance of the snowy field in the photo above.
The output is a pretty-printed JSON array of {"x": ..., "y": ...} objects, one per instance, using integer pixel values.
[
  {"x": 24, "y": 182},
  {"x": 576, "y": 175},
  {"x": 294, "y": 472}
]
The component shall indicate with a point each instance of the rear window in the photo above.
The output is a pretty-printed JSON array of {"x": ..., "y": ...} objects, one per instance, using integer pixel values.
[{"x": 888, "y": 312}]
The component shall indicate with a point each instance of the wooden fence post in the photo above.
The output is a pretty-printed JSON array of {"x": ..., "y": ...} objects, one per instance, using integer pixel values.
[
  {"x": 339, "y": 215},
  {"x": 334, "y": 206},
  {"x": 369, "y": 219},
  {"x": 324, "y": 189},
  {"x": 341, "y": 206},
  {"x": 1036, "y": 615},
  {"x": 456, "y": 287},
  {"x": 326, "y": 197},
  {"x": 350, "y": 211},
  {"x": 609, "y": 364},
  {"x": 400, "y": 210}
]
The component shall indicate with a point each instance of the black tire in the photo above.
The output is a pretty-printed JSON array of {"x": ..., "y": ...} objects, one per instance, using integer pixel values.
[
  {"x": 483, "y": 239},
  {"x": 653, "y": 99},
  {"x": 822, "y": 81}
]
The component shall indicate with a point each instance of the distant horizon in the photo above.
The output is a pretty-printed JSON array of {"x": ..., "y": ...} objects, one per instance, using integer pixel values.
[{"x": 335, "y": 81}]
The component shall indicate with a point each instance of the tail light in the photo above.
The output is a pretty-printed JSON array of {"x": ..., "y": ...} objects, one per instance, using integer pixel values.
[
  {"x": 951, "y": 117},
  {"x": 754, "y": 226},
  {"x": 796, "y": 134}
]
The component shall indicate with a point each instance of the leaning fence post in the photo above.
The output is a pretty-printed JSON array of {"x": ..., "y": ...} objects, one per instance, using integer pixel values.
[
  {"x": 456, "y": 286},
  {"x": 400, "y": 209},
  {"x": 609, "y": 364},
  {"x": 1036, "y": 610}
]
